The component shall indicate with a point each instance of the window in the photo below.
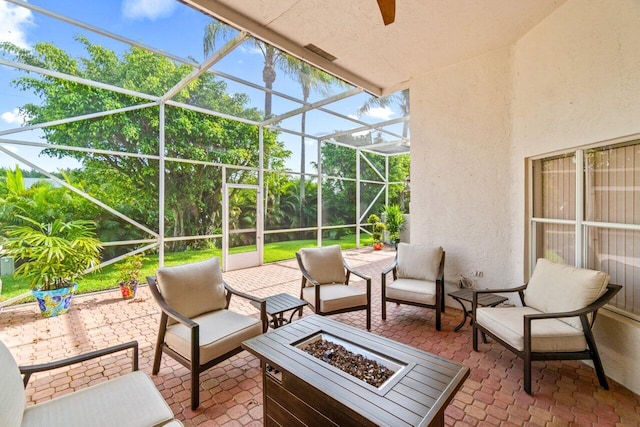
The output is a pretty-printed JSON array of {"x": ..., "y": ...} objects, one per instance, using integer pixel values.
[{"x": 586, "y": 212}]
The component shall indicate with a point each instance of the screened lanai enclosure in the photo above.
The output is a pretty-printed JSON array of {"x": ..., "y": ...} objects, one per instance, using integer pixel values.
[{"x": 185, "y": 134}]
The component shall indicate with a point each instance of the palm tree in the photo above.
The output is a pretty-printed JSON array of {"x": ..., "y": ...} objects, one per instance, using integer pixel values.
[
  {"x": 272, "y": 56},
  {"x": 401, "y": 99},
  {"x": 309, "y": 78}
]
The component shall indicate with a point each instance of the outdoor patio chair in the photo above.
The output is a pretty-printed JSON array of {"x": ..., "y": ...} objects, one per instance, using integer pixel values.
[
  {"x": 325, "y": 282},
  {"x": 128, "y": 400},
  {"x": 559, "y": 306},
  {"x": 418, "y": 279},
  {"x": 196, "y": 326}
]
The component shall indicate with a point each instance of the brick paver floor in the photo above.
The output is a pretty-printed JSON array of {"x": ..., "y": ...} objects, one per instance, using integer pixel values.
[{"x": 565, "y": 393}]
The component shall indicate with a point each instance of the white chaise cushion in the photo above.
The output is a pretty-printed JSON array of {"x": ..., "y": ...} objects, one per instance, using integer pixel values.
[
  {"x": 193, "y": 289},
  {"x": 418, "y": 261},
  {"x": 335, "y": 297},
  {"x": 129, "y": 400},
  {"x": 325, "y": 264},
  {"x": 220, "y": 332},
  {"x": 12, "y": 397},
  {"x": 556, "y": 287},
  {"x": 547, "y": 335},
  {"x": 419, "y": 291}
]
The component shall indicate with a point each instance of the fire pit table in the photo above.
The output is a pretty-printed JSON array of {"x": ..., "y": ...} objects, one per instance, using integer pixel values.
[{"x": 303, "y": 389}]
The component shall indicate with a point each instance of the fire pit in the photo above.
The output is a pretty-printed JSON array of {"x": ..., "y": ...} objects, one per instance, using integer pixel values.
[
  {"x": 302, "y": 389},
  {"x": 372, "y": 368}
]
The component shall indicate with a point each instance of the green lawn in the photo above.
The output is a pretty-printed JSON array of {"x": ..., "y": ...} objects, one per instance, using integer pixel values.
[{"x": 107, "y": 277}]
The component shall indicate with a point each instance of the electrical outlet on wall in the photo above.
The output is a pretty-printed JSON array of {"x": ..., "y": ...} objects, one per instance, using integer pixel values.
[{"x": 477, "y": 273}]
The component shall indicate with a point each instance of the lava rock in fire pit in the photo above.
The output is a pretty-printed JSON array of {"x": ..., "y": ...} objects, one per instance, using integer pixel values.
[{"x": 353, "y": 364}]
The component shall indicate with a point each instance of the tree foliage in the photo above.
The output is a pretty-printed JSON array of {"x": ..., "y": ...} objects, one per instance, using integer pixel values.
[{"x": 191, "y": 209}]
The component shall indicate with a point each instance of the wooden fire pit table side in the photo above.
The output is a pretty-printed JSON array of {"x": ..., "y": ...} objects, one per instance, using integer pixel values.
[{"x": 299, "y": 389}]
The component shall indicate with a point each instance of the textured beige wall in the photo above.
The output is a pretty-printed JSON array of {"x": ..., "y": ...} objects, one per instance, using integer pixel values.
[
  {"x": 460, "y": 126},
  {"x": 573, "y": 80}
]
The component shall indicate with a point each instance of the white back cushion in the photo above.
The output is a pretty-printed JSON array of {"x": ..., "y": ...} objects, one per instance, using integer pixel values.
[
  {"x": 193, "y": 289},
  {"x": 12, "y": 397},
  {"x": 556, "y": 287},
  {"x": 324, "y": 264},
  {"x": 418, "y": 262}
]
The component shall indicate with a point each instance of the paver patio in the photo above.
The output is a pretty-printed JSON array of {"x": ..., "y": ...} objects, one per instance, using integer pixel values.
[{"x": 565, "y": 393}]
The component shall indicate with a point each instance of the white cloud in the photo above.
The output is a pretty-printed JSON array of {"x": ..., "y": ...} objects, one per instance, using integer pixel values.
[
  {"x": 14, "y": 21},
  {"x": 251, "y": 49},
  {"x": 13, "y": 117},
  {"x": 382, "y": 113},
  {"x": 148, "y": 9}
]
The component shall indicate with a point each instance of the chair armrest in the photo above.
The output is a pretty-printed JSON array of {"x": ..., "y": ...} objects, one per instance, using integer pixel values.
[
  {"x": 476, "y": 292},
  {"x": 391, "y": 268},
  {"x": 502, "y": 291},
  {"x": 307, "y": 276},
  {"x": 354, "y": 272},
  {"x": 260, "y": 302},
  {"x": 175, "y": 315},
  {"x": 166, "y": 309},
  {"x": 27, "y": 371}
]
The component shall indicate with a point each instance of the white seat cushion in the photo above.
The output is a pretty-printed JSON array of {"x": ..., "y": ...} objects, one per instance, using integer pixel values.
[
  {"x": 556, "y": 287},
  {"x": 420, "y": 291},
  {"x": 129, "y": 400},
  {"x": 547, "y": 335},
  {"x": 335, "y": 297},
  {"x": 12, "y": 397},
  {"x": 220, "y": 332}
]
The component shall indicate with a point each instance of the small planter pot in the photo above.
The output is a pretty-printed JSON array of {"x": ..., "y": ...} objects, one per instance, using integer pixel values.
[
  {"x": 378, "y": 246},
  {"x": 128, "y": 290},
  {"x": 56, "y": 301}
]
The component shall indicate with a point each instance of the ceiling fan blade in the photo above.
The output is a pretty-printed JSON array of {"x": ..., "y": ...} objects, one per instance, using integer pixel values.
[{"x": 388, "y": 10}]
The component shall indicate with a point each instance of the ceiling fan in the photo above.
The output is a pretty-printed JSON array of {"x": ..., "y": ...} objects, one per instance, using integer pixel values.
[{"x": 388, "y": 10}]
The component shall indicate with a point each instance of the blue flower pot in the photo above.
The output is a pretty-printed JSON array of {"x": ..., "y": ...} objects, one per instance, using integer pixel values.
[{"x": 56, "y": 301}]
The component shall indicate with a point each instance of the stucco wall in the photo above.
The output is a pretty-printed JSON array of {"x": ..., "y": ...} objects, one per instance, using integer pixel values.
[
  {"x": 460, "y": 125},
  {"x": 572, "y": 80}
]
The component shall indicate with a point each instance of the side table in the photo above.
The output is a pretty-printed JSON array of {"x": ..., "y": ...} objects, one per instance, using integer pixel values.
[
  {"x": 487, "y": 300},
  {"x": 278, "y": 304}
]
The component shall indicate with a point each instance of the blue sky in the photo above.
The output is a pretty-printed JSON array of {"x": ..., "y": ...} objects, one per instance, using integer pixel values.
[{"x": 166, "y": 25}]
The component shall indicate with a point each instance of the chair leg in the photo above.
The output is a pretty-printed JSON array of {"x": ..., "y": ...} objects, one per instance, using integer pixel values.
[
  {"x": 384, "y": 309},
  {"x": 438, "y": 318},
  {"x": 159, "y": 343},
  {"x": 526, "y": 364},
  {"x": 369, "y": 317},
  {"x": 595, "y": 356},
  {"x": 156, "y": 360},
  {"x": 195, "y": 388},
  {"x": 474, "y": 332}
]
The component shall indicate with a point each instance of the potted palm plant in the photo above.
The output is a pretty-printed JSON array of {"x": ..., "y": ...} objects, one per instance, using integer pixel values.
[
  {"x": 129, "y": 276},
  {"x": 395, "y": 222},
  {"x": 51, "y": 257},
  {"x": 377, "y": 228}
]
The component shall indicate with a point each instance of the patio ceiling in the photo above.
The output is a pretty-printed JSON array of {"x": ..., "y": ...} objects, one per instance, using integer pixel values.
[{"x": 426, "y": 34}]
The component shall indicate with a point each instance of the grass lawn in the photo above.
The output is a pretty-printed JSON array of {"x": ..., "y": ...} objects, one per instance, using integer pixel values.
[{"x": 107, "y": 277}]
